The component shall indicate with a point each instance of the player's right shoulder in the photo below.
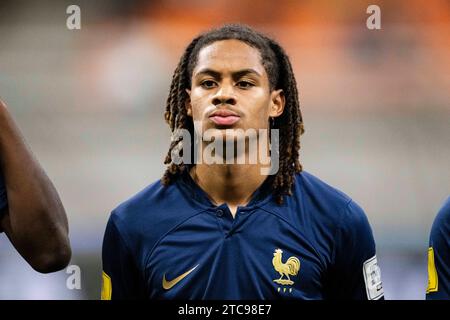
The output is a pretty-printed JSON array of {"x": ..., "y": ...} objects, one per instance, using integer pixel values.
[
  {"x": 148, "y": 201},
  {"x": 155, "y": 201},
  {"x": 152, "y": 211}
]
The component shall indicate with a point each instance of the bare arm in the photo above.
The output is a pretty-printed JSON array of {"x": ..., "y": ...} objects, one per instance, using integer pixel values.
[{"x": 35, "y": 221}]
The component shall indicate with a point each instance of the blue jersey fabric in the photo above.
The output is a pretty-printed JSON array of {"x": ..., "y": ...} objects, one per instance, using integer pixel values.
[
  {"x": 439, "y": 262},
  {"x": 173, "y": 243}
]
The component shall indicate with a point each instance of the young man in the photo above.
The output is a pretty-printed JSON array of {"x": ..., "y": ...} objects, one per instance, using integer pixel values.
[
  {"x": 439, "y": 256},
  {"x": 31, "y": 213},
  {"x": 228, "y": 231}
]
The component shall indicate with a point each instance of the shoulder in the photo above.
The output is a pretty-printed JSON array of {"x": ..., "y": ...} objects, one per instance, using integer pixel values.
[
  {"x": 314, "y": 186},
  {"x": 337, "y": 216},
  {"x": 332, "y": 203},
  {"x": 320, "y": 210},
  {"x": 150, "y": 201},
  {"x": 444, "y": 212},
  {"x": 441, "y": 224},
  {"x": 148, "y": 215}
]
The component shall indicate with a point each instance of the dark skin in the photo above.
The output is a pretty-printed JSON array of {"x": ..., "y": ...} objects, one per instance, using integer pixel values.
[
  {"x": 229, "y": 75},
  {"x": 35, "y": 220}
]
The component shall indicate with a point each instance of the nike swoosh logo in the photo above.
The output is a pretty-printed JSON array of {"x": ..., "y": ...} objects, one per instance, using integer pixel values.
[{"x": 169, "y": 284}]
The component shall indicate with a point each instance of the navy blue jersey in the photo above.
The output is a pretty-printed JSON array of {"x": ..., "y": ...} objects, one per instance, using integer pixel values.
[
  {"x": 173, "y": 243},
  {"x": 3, "y": 199},
  {"x": 439, "y": 255}
]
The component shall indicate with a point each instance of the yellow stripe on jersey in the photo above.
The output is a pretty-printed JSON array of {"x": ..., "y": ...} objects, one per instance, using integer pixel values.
[
  {"x": 432, "y": 273},
  {"x": 106, "y": 287}
]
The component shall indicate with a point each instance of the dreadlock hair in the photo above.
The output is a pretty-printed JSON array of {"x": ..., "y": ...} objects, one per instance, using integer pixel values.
[{"x": 281, "y": 76}]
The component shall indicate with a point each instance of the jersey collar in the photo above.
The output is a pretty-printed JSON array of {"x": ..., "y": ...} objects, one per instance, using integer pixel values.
[{"x": 191, "y": 189}]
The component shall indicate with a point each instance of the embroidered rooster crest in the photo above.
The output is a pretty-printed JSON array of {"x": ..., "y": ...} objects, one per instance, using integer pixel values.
[{"x": 290, "y": 267}]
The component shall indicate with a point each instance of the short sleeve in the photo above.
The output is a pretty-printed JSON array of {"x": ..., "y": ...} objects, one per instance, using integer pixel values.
[
  {"x": 355, "y": 273},
  {"x": 439, "y": 256},
  {"x": 121, "y": 277}
]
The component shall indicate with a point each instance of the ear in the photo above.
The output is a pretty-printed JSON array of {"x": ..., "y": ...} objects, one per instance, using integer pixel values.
[
  {"x": 277, "y": 103},
  {"x": 188, "y": 103}
]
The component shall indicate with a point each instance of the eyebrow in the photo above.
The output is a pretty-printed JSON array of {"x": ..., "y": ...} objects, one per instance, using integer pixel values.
[{"x": 235, "y": 74}]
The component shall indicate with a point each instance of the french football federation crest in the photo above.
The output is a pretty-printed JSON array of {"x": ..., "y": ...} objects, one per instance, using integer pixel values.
[{"x": 290, "y": 268}]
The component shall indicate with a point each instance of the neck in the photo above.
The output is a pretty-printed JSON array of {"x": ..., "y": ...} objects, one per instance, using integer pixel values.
[
  {"x": 228, "y": 183},
  {"x": 232, "y": 183}
]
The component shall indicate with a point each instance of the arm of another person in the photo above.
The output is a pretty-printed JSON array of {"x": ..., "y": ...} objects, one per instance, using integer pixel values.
[{"x": 34, "y": 219}]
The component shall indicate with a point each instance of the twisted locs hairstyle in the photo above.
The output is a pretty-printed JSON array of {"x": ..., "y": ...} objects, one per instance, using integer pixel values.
[{"x": 281, "y": 76}]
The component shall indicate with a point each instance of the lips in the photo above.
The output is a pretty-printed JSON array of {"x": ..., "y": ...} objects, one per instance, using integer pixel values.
[{"x": 224, "y": 117}]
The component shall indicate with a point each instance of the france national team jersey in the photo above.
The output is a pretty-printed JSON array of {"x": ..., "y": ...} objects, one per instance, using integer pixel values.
[
  {"x": 173, "y": 243},
  {"x": 3, "y": 199},
  {"x": 439, "y": 256}
]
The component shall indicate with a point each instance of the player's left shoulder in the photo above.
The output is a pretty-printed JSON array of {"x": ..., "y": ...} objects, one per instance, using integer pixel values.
[
  {"x": 328, "y": 200},
  {"x": 318, "y": 205}
]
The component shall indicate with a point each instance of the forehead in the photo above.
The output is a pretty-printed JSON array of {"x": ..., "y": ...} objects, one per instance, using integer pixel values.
[{"x": 228, "y": 56}]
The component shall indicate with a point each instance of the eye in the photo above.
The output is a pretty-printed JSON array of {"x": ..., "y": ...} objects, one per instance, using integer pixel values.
[
  {"x": 208, "y": 84},
  {"x": 245, "y": 84}
]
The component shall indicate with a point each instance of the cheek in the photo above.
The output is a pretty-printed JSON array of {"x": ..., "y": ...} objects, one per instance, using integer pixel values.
[
  {"x": 198, "y": 104},
  {"x": 259, "y": 106}
]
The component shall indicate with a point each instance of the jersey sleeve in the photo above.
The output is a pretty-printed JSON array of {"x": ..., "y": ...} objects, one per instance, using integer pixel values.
[
  {"x": 355, "y": 273},
  {"x": 439, "y": 256},
  {"x": 121, "y": 278}
]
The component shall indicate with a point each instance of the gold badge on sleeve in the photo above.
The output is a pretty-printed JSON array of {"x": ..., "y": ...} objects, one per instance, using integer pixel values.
[
  {"x": 432, "y": 273},
  {"x": 106, "y": 287}
]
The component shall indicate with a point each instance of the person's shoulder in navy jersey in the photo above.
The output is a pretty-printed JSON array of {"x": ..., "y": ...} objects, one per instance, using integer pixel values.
[
  {"x": 340, "y": 226},
  {"x": 439, "y": 255},
  {"x": 134, "y": 228}
]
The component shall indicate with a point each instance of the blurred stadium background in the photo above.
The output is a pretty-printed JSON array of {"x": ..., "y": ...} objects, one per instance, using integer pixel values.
[{"x": 90, "y": 102}]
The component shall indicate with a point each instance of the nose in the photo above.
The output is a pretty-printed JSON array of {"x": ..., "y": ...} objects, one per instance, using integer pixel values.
[{"x": 224, "y": 96}]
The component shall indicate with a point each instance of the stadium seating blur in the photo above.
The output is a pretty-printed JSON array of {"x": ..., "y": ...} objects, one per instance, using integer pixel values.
[{"x": 376, "y": 106}]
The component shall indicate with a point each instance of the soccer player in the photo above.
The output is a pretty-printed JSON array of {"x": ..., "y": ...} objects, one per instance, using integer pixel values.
[
  {"x": 31, "y": 213},
  {"x": 439, "y": 256},
  {"x": 227, "y": 231}
]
